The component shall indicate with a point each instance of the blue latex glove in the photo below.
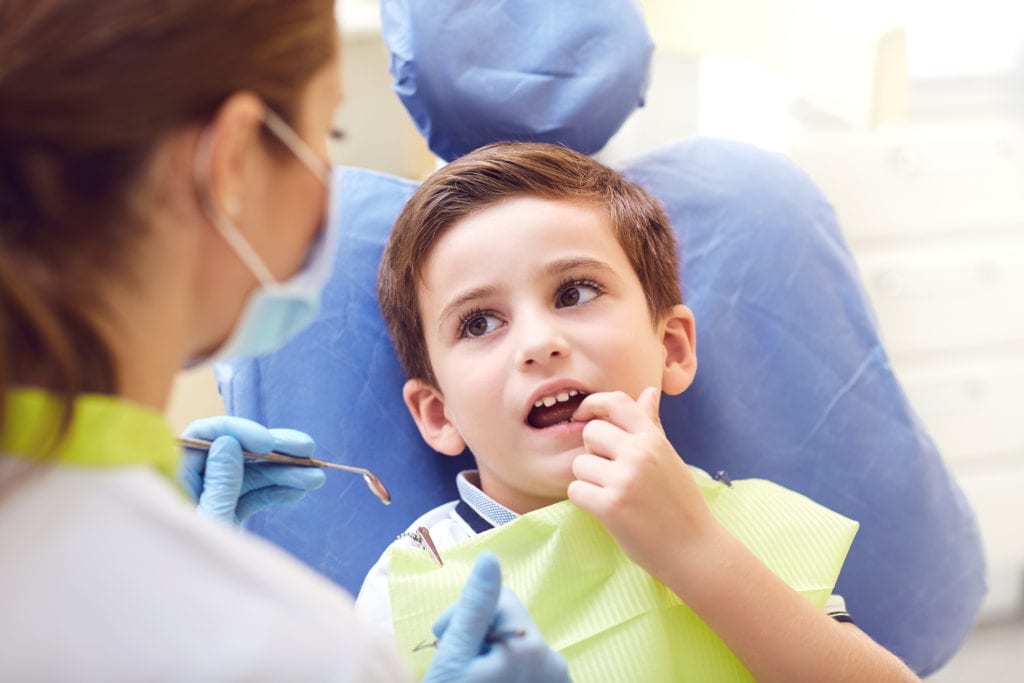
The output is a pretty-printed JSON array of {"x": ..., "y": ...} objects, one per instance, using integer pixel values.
[
  {"x": 229, "y": 487},
  {"x": 464, "y": 656}
]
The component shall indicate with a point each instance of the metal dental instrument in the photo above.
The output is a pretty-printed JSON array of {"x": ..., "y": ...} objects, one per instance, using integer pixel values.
[
  {"x": 492, "y": 637},
  {"x": 421, "y": 537},
  {"x": 374, "y": 484}
]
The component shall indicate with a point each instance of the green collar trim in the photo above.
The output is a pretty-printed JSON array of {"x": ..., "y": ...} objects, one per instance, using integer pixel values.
[{"x": 105, "y": 431}]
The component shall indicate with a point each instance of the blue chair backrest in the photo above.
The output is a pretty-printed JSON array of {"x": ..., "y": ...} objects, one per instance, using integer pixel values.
[{"x": 793, "y": 384}]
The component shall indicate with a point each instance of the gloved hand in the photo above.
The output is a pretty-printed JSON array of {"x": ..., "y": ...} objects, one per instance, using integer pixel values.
[
  {"x": 463, "y": 654},
  {"x": 229, "y": 487}
]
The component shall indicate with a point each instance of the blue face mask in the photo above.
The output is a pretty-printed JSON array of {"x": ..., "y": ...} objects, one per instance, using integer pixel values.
[{"x": 275, "y": 311}]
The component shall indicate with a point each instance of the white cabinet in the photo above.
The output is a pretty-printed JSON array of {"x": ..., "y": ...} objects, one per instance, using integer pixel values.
[
  {"x": 934, "y": 215},
  {"x": 973, "y": 410},
  {"x": 938, "y": 294},
  {"x": 920, "y": 181}
]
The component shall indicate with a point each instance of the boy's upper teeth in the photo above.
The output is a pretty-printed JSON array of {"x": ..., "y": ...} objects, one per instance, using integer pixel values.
[{"x": 560, "y": 397}]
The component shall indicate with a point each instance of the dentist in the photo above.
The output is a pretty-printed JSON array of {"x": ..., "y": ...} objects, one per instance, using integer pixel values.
[{"x": 163, "y": 183}]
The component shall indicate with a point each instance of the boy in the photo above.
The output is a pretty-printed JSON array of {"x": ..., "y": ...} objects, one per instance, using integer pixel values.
[{"x": 533, "y": 298}]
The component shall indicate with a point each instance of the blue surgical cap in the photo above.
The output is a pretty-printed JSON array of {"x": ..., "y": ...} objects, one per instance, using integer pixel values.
[{"x": 537, "y": 70}]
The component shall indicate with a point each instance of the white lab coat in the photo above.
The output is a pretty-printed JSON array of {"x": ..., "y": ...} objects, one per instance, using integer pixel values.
[{"x": 108, "y": 575}]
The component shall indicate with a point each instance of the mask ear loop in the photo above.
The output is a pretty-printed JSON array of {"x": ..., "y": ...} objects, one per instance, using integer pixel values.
[
  {"x": 227, "y": 229},
  {"x": 297, "y": 145}
]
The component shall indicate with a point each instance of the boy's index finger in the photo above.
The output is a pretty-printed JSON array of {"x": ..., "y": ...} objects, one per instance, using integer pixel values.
[{"x": 617, "y": 408}]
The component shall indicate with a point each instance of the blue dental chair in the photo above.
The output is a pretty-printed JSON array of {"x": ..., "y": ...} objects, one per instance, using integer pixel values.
[{"x": 794, "y": 384}]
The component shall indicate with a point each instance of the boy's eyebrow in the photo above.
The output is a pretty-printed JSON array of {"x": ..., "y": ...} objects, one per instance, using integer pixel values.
[
  {"x": 459, "y": 301},
  {"x": 573, "y": 262}
]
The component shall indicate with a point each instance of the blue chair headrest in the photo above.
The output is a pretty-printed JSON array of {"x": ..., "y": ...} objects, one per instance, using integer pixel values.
[{"x": 474, "y": 72}]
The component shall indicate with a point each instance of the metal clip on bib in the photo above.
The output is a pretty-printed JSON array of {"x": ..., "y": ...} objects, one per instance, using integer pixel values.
[{"x": 421, "y": 537}]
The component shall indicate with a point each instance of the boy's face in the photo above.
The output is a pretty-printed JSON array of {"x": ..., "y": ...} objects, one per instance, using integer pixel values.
[{"x": 528, "y": 306}]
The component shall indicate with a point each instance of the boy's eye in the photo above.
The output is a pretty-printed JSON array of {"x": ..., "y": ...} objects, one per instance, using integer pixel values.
[
  {"x": 576, "y": 294},
  {"x": 478, "y": 324}
]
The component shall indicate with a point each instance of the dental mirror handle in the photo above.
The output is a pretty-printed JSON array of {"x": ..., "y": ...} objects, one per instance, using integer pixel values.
[{"x": 372, "y": 481}]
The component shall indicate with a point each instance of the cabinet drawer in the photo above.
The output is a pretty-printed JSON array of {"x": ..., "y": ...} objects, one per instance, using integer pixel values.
[
  {"x": 971, "y": 408},
  {"x": 999, "y": 505},
  {"x": 955, "y": 294},
  {"x": 924, "y": 179}
]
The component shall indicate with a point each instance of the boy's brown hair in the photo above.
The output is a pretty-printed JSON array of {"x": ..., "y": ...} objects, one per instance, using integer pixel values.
[{"x": 496, "y": 172}]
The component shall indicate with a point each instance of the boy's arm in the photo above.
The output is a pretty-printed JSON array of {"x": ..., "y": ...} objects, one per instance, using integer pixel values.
[{"x": 633, "y": 481}]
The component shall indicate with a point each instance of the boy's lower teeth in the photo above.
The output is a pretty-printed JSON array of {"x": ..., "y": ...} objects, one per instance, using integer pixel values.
[{"x": 560, "y": 422}]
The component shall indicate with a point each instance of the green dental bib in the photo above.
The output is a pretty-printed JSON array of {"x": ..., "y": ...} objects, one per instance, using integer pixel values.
[{"x": 608, "y": 617}]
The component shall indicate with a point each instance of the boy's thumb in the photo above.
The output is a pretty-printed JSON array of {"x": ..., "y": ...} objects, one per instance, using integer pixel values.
[{"x": 650, "y": 401}]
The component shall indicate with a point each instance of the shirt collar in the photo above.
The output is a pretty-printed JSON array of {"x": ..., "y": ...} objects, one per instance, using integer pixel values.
[
  {"x": 104, "y": 431},
  {"x": 481, "y": 512},
  {"x": 490, "y": 512}
]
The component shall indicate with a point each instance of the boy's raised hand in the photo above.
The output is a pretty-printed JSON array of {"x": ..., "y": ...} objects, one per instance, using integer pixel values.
[{"x": 632, "y": 480}]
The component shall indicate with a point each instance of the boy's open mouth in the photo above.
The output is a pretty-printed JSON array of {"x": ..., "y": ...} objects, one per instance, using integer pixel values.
[{"x": 551, "y": 410}]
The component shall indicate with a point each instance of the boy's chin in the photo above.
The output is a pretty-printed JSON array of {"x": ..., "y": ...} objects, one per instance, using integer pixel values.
[
  {"x": 545, "y": 499},
  {"x": 555, "y": 490}
]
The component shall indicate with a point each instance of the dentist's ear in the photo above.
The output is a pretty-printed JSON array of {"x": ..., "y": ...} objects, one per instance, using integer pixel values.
[
  {"x": 231, "y": 137},
  {"x": 679, "y": 337},
  {"x": 426, "y": 405}
]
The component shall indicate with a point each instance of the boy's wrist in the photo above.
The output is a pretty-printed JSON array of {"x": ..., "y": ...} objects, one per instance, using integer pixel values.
[{"x": 697, "y": 564}]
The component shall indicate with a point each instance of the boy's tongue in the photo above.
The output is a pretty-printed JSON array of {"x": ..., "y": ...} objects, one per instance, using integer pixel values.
[{"x": 545, "y": 416}]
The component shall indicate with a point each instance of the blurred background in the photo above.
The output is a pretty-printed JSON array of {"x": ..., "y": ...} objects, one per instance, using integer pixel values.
[{"x": 910, "y": 116}]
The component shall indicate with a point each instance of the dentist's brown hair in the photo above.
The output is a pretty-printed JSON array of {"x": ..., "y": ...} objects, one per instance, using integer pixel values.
[{"x": 87, "y": 91}]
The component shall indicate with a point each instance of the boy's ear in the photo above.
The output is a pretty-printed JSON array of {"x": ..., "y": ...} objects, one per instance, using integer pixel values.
[
  {"x": 426, "y": 405},
  {"x": 679, "y": 337}
]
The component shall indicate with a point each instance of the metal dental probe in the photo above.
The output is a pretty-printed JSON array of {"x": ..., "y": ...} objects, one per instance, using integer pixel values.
[{"x": 375, "y": 485}]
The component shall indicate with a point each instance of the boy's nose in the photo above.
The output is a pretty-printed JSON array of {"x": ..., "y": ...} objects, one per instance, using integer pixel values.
[{"x": 541, "y": 344}]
